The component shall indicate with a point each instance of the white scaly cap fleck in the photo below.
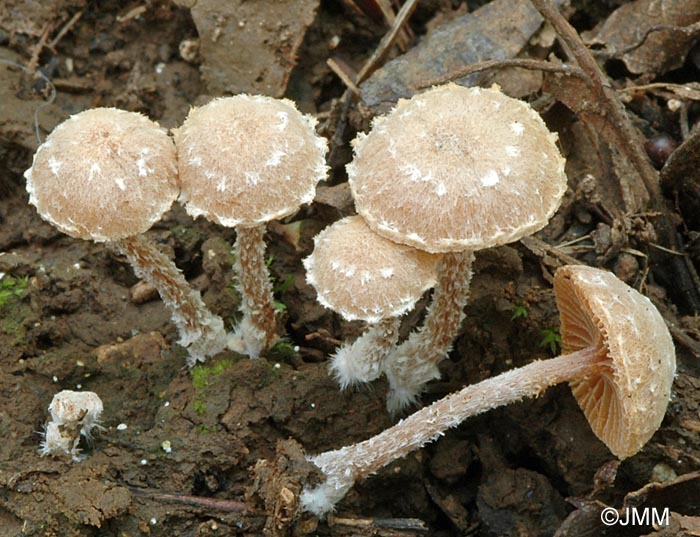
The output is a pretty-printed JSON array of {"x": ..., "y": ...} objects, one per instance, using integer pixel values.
[
  {"x": 104, "y": 174},
  {"x": 456, "y": 169},
  {"x": 246, "y": 160}
]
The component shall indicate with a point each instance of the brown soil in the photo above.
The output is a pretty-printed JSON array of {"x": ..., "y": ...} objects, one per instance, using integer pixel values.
[{"x": 68, "y": 319}]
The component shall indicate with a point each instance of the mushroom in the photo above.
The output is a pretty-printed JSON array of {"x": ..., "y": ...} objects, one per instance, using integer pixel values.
[
  {"x": 108, "y": 175},
  {"x": 364, "y": 276},
  {"x": 453, "y": 170},
  {"x": 73, "y": 414},
  {"x": 244, "y": 161},
  {"x": 618, "y": 359}
]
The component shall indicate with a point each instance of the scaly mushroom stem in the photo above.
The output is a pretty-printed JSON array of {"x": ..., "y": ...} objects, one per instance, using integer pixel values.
[
  {"x": 363, "y": 359},
  {"x": 344, "y": 466},
  {"x": 414, "y": 363},
  {"x": 258, "y": 329},
  {"x": 201, "y": 332}
]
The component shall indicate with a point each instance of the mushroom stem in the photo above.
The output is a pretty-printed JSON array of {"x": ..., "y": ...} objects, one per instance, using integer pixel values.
[
  {"x": 201, "y": 332},
  {"x": 414, "y": 362},
  {"x": 363, "y": 359},
  {"x": 257, "y": 330},
  {"x": 346, "y": 465}
]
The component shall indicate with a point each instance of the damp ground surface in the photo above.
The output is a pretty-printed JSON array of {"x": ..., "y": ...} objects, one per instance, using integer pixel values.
[{"x": 180, "y": 450}]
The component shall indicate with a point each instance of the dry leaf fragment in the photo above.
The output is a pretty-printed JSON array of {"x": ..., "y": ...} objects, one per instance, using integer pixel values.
[
  {"x": 496, "y": 31},
  {"x": 660, "y": 50}
]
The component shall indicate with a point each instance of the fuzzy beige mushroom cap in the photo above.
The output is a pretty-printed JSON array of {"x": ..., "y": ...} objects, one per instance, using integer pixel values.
[
  {"x": 457, "y": 168},
  {"x": 626, "y": 401},
  {"x": 364, "y": 276},
  {"x": 104, "y": 174},
  {"x": 246, "y": 160}
]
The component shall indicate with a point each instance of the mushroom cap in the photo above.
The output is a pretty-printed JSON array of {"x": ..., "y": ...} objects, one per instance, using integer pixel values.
[
  {"x": 362, "y": 275},
  {"x": 625, "y": 400},
  {"x": 246, "y": 160},
  {"x": 71, "y": 406},
  {"x": 104, "y": 174},
  {"x": 456, "y": 169}
]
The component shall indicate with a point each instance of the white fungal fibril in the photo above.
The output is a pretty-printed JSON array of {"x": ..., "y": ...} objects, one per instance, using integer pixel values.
[{"x": 73, "y": 414}]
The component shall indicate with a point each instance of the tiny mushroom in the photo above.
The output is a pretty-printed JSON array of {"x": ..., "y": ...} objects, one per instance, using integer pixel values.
[
  {"x": 108, "y": 175},
  {"x": 364, "y": 276},
  {"x": 73, "y": 414},
  {"x": 244, "y": 161},
  {"x": 619, "y": 361},
  {"x": 453, "y": 170}
]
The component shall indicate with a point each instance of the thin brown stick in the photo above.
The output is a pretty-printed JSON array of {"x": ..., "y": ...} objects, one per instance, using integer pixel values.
[
  {"x": 689, "y": 30},
  {"x": 341, "y": 72},
  {"x": 387, "y": 41},
  {"x": 523, "y": 63},
  {"x": 400, "y": 524},
  {"x": 38, "y": 48},
  {"x": 231, "y": 506},
  {"x": 684, "y": 339},
  {"x": 63, "y": 31},
  {"x": 387, "y": 10}
]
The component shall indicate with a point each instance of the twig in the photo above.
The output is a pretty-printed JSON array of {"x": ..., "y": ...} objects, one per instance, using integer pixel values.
[
  {"x": 341, "y": 71},
  {"x": 684, "y": 339},
  {"x": 63, "y": 31},
  {"x": 686, "y": 91},
  {"x": 387, "y": 10},
  {"x": 387, "y": 41},
  {"x": 542, "y": 249},
  {"x": 38, "y": 48},
  {"x": 401, "y": 524},
  {"x": 688, "y": 30},
  {"x": 523, "y": 63},
  {"x": 231, "y": 506}
]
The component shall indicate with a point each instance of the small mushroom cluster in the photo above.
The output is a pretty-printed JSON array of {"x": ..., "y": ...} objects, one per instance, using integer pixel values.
[
  {"x": 435, "y": 175},
  {"x": 108, "y": 175},
  {"x": 446, "y": 173},
  {"x": 618, "y": 359}
]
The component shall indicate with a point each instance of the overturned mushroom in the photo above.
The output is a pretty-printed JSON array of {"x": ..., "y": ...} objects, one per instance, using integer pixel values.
[
  {"x": 244, "y": 161},
  {"x": 453, "y": 170},
  {"x": 362, "y": 275},
  {"x": 619, "y": 361},
  {"x": 73, "y": 414},
  {"x": 108, "y": 175}
]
